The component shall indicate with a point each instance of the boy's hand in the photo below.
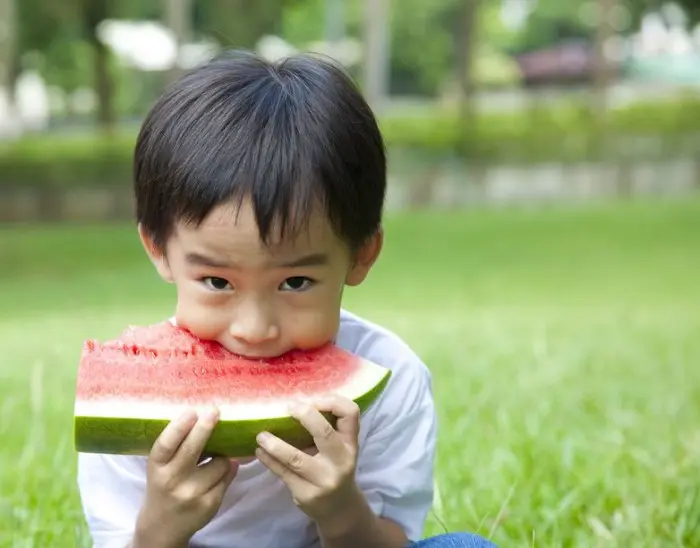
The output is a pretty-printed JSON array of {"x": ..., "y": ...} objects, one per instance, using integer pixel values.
[
  {"x": 323, "y": 485},
  {"x": 182, "y": 497}
]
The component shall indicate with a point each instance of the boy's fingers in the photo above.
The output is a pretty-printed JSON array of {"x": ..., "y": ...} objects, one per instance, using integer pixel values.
[
  {"x": 171, "y": 437},
  {"x": 218, "y": 489},
  {"x": 296, "y": 462},
  {"x": 347, "y": 413},
  {"x": 192, "y": 447},
  {"x": 325, "y": 436},
  {"x": 214, "y": 472},
  {"x": 290, "y": 476}
]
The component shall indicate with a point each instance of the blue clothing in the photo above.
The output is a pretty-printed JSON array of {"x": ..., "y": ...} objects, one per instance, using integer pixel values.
[{"x": 453, "y": 540}]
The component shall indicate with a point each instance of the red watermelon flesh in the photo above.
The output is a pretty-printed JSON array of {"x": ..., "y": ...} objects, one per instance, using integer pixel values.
[{"x": 128, "y": 389}]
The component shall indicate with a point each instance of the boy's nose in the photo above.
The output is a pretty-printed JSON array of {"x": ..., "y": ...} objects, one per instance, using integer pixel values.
[{"x": 252, "y": 326}]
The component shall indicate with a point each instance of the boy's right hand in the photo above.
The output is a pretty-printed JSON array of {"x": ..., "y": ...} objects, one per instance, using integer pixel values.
[{"x": 182, "y": 497}]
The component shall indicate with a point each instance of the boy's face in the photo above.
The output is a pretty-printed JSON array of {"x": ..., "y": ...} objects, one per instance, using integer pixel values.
[{"x": 257, "y": 300}]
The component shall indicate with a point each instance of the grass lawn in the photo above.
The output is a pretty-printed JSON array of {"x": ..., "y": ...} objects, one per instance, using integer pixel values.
[{"x": 564, "y": 346}]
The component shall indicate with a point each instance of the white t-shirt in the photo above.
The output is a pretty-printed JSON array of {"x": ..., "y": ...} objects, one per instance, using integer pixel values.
[{"x": 394, "y": 470}]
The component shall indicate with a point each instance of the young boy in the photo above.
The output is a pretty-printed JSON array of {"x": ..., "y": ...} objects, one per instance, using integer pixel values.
[{"x": 259, "y": 190}]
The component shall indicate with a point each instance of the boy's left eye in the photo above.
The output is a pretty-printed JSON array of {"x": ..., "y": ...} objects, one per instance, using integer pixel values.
[
  {"x": 296, "y": 283},
  {"x": 217, "y": 284}
]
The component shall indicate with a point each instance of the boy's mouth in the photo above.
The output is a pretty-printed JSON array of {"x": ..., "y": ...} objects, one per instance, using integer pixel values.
[
  {"x": 261, "y": 355},
  {"x": 257, "y": 355}
]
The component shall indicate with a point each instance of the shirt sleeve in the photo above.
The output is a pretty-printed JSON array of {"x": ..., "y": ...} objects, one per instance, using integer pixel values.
[
  {"x": 111, "y": 492},
  {"x": 396, "y": 461}
]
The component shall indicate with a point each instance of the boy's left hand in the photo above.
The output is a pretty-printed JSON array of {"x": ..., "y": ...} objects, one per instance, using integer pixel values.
[{"x": 322, "y": 485}]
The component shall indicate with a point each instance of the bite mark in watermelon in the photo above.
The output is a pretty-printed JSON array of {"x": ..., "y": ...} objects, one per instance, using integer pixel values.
[{"x": 128, "y": 390}]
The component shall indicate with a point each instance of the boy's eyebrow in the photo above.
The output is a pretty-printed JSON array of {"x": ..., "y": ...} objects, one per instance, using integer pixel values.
[
  {"x": 313, "y": 259},
  {"x": 198, "y": 259}
]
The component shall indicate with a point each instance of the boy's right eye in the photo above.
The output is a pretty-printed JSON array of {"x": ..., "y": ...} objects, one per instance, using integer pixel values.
[{"x": 217, "y": 284}]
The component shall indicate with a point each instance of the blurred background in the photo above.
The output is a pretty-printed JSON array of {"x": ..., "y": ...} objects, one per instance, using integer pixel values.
[
  {"x": 479, "y": 100},
  {"x": 541, "y": 242}
]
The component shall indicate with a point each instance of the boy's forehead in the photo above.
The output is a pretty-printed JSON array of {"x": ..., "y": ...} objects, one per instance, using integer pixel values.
[{"x": 229, "y": 228}]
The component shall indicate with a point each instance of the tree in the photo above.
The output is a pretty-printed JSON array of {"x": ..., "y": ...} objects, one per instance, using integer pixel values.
[
  {"x": 178, "y": 18},
  {"x": 334, "y": 20},
  {"x": 466, "y": 40},
  {"x": 49, "y": 40},
  {"x": 692, "y": 9},
  {"x": 92, "y": 13},
  {"x": 238, "y": 23},
  {"x": 8, "y": 24},
  {"x": 601, "y": 73},
  {"x": 376, "y": 51}
]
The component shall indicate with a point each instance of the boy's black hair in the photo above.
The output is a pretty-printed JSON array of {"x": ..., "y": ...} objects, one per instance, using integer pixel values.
[{"x": 288, "y": 135}]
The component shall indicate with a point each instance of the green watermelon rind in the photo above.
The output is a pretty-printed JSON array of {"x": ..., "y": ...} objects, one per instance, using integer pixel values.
[{"x": 233, "y": 439}]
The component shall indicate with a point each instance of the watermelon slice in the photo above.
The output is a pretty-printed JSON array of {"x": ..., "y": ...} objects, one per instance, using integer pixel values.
[{"x": 127, "y": 390}]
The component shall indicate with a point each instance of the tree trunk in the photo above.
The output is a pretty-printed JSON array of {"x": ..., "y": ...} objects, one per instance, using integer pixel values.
[
  {"x": 8, "y": 36},
  {"x": 600, "y": 141},
  {"x": 466, "y": 40},
  {"x": 94, "y": 12},
  {"x": 335, "y": 21},
  {"x": 178, "y": 18},
  {"x": 376, "y": 51},
  {"x": 601, "y": 67}
]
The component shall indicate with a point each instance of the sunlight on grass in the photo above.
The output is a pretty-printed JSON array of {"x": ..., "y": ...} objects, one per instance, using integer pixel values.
[{"x": 563, "y": 344}]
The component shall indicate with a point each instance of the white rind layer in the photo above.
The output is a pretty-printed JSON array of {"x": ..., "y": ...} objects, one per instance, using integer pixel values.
[{"x": 364, "y": 380}]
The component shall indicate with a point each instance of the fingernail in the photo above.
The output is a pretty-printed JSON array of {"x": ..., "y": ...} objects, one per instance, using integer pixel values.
[
  {"x": 212, "y": 416},
  {"x": 263, "y": 438},
  {"x": 186, "y": 416}
]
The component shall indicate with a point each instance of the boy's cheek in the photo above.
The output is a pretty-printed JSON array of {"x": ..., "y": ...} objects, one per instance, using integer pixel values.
[{"x": 205, "y": 320}]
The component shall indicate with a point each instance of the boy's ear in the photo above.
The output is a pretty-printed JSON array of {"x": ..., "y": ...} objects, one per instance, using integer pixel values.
[
  {"x": 364, "y": 259},
  {"x": 156, "y": 254}
]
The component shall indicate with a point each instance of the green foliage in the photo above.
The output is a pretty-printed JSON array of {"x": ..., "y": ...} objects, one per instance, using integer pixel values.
[
  {"x": 303, "y": 22},
  {"x": 40, "y": 23},
  {"x": 64, "y": 161},
  {"x": 67, "y": 62},
  {"x": 422, "y": 45},
  {"x": 421, "y": 35},
  {"x": 561, "y": 133},
  {"x": 492, "y": 27},
  {"x": 421, "y": 42},
  {"x": 237, "y": 23},
  {"x": 692, "y": 8}
]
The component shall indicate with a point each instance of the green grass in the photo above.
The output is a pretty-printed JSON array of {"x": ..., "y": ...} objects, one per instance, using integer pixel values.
[{"x": 564, "y": 346}]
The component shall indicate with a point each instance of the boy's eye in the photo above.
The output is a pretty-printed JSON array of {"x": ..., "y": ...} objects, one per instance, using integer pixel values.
[
  {"x": 296, "y": 283},
  {"x": 218, "y": 284}
]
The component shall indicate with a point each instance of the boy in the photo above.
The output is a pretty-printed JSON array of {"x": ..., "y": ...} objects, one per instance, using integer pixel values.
[{"x": 259, "y": 191}]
